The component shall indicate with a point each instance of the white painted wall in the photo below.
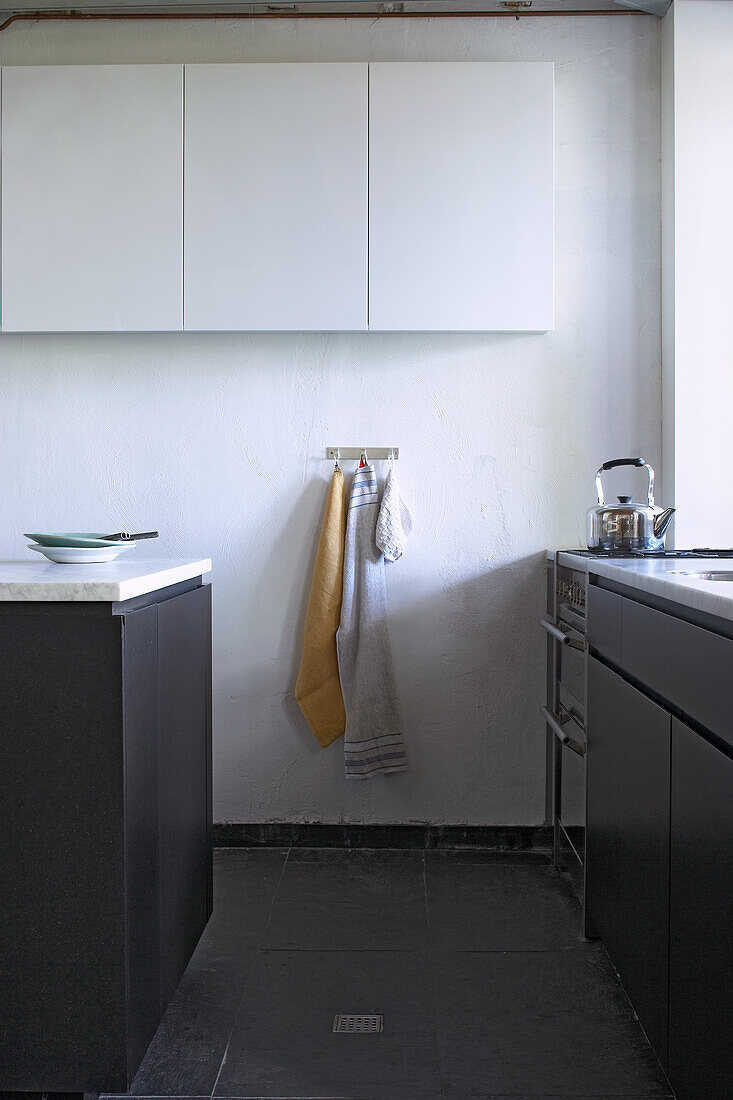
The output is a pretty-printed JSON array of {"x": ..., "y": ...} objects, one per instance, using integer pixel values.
[
  {"x": 217, "y": 439},
  {"x": 668, "y": 274},
  {"x": 698, "y": 161}
]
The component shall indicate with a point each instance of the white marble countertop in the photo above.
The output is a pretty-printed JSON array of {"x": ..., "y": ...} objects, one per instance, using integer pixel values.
[
  {"x": 666, "y": 578},
  {"x": 113, "y": 581}
]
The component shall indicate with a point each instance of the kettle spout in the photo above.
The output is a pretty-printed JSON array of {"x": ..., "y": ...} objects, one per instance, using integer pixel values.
[{"x": 661, "y": 522}]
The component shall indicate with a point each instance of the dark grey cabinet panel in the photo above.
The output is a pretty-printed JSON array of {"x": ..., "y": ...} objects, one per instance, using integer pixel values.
[
  {"x": 142, "y": 822},
  {"x": 62, "y": 847},
  {"x": 604, "y": 622},
  {"x": 701, "y": 921},
  {"x": 687, "y": 665},
  {"x": 184, "y": 645},
  {"x": 105, "y": 862},
  {"x": 627, "y": 840}
]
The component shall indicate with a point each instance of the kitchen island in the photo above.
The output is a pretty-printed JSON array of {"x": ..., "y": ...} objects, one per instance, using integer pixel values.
[
  {"x": 659, "y": 813},
  {"x": 105, "y": 812}
]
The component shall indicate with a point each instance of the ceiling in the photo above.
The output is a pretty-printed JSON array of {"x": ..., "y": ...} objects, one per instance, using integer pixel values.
[{"x": 345, "y": 7}]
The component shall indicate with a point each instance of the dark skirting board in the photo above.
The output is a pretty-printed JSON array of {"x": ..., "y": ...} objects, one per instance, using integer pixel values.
[{"x": 510, "y": 838}]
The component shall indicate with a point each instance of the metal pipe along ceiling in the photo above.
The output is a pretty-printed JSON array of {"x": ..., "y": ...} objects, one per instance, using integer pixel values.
[{"x": 285, "y": 13}]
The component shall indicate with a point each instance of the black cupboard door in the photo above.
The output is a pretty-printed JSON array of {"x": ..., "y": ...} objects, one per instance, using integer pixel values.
[
  {"x": 62, "y": 919},
  {"x": 142, "y": 883},
  {"x": 701, "y": 919},
  {"x": 184, "y": 773},
  {"x": 627, "y": 843}
]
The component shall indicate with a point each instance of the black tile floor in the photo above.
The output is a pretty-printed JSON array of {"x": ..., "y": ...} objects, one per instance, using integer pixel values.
[{"x": 476, "y": 960}]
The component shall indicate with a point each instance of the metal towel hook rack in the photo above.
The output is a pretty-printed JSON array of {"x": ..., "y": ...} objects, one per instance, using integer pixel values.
[{"x": 374, "y": 453}]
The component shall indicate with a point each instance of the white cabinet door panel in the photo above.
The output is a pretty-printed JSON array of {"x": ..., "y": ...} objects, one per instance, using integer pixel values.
[
  {"x": 276, "y": 197},
  {"x": 92, "y": 195},
  {"x": 461, "y": 196}
]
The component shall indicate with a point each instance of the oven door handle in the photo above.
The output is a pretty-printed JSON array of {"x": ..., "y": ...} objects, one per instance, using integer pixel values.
[
  {"x": 559, "y": 731},
  {"x": 561, "y": 636}
]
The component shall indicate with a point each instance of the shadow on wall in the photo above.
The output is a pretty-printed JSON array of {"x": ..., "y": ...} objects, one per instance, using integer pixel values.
[
  {"x": 470, "y": 671},
  {"x": 469, "y": 663}
]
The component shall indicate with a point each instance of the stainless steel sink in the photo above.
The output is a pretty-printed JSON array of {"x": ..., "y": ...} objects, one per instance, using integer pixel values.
[{"x": 708, "y": 575}]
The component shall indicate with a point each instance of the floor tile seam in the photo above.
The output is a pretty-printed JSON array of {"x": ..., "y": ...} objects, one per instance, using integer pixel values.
[
  {"x": 235, "y": 1017},
  {"x": 527, "y": 855},
  {"x": 428, "y": 949},
  {"x": 251, "y": 967},
  {"x": 252, "y": 847},
  {"x": 538, "y": 854},
  {"x": 452, "y": 1031},
  {"x": 322, "y": 1046},
  {"x": 272, "y": 899},
  {"x": 264, "y": 949},
  {"x": 407, "y": 855},
  {"x": 502, "y": 950},
  {"x": 524, "y": 1095},
  {"x": 433, "y": 999},
  {"x": 585, "y": 947},
  {"x": 507, "y": 1015}
]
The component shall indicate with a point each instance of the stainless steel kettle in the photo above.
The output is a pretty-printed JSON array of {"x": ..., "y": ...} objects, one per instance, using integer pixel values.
[{"x": 627, "y": 525}]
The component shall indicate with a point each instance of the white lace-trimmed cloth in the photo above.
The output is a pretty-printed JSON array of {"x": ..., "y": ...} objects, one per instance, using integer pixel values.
[
  {"x": 394, "y": 523},
  {"x": 373, "y": 742}
]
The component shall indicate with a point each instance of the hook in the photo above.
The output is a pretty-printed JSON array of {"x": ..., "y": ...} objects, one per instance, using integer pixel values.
[
  {"x": 338, "y": 456},
  {"x": 364, "y": 456}
]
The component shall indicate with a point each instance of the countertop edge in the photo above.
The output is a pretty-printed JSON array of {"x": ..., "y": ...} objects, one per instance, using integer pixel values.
[
  {"x": 712, "y": 597},
  {"x": 102, "y": 591},
  {"x": 175, "y": 575}
]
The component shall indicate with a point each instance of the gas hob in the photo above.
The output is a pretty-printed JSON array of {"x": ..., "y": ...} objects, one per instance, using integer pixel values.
[{"x": 698, "y": 552}]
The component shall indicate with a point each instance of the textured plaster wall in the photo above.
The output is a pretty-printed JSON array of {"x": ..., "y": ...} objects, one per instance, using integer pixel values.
[{"x": 217, "y": 439}]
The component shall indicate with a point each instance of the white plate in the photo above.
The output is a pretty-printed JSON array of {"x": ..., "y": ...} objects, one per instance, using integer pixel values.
[{"x": 78, "y": 555}]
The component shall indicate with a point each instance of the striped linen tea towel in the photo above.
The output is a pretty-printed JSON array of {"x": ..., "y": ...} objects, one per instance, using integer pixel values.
[{"x": 373, "y": 741}]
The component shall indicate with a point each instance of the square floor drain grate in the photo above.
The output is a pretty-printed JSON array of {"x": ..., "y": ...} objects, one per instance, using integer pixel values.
[{"x": 353, "y": 1024}]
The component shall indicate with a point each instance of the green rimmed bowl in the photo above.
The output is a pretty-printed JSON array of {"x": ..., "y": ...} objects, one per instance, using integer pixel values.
[{"x": 74, "y": 538}]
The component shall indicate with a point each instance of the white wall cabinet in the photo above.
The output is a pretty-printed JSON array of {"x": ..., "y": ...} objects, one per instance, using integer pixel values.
[
  {"x": 320, "y": 197},
  {"x": 461, "y": 194},
  {"x": 92, "y": 192},
  {"x": 276, "y": 196}
]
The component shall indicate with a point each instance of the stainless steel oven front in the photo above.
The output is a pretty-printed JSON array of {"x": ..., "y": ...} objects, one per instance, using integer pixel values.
[{"x": 564, "y": 714}]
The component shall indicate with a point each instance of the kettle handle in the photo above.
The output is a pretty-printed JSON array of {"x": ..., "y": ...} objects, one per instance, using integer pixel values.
[{"x": 612, "y": 463}]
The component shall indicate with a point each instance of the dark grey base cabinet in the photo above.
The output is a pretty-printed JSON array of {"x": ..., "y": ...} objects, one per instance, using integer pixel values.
[
  {"x": 105, "y": 829},
  {"x": 659, "y": 868},
  {"x": 627, "y": 844},
  {"x": 701, "y": 918}
]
